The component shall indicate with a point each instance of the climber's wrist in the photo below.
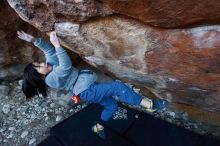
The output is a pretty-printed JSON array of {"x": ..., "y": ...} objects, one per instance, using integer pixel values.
[{"x": 33, "y": 40}]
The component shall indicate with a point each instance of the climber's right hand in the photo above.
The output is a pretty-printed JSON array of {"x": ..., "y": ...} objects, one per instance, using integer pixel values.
[
  {"x": 54, "y": 39},
  {"x": 24, "y": 36}
]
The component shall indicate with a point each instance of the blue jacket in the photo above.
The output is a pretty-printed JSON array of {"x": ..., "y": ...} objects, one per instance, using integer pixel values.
[{"x": 63, "y": 75}]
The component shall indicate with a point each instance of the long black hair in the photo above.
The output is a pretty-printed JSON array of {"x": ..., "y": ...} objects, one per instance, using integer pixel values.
[{"x": 33, "y": 83}]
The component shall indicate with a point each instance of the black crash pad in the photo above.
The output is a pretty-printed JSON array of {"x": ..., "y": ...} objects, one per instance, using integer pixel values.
[
  {"x": 124, "y": 129},
  {"x": 50, "y": 141},
  {"x": 151, "y": 131},
  {"x": 77, "y": 129}
]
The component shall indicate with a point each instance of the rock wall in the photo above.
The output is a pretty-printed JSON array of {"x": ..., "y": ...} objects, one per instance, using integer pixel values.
[
  {"x": 168, "y": 14},
  {"x": 181, "y": 64},
  {"x": 13, "y": 50},
  {"x": 15, "y": 53}
]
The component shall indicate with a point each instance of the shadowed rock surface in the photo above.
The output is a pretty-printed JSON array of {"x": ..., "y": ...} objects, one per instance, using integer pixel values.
[{"x": 12, "y": 49}]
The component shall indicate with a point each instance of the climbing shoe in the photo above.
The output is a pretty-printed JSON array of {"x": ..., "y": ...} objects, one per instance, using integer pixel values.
[
  {"x": 99, "y": 131},
  {"x": 159, "y": 104}
]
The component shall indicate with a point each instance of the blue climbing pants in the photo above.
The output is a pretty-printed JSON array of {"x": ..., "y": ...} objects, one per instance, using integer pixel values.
[{"x": 102, "y": 93}]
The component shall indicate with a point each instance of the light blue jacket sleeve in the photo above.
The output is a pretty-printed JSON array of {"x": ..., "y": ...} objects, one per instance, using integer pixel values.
[
  {"x": 65, "y": 64},
  {"x": 63, "y": 73},
  {"x": 48, "y": 49},
  {"x": 57, "y": 57}
]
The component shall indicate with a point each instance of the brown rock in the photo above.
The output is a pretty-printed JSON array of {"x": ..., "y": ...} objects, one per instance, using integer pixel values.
[
  {"x": 180, "y": 64},
  {"x": 14, "y": 50},
  {"x": 2, "y": 34},
  {"x": 43, "y": 14},
  {"x": 166, "y": 13}
]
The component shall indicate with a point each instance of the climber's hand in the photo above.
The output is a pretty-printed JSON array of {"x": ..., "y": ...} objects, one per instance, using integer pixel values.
[
  {"x": 24, "y": 36},
  {"x": 54, "y": 40}
]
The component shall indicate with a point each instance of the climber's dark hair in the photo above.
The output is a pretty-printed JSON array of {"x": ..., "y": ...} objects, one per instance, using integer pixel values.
[{"x": 33, "y": 84}]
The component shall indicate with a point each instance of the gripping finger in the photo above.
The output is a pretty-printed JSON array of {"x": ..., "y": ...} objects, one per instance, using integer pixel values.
[
  {"x": 23, "y": 32},
  {"x": 51, "y": 34}
]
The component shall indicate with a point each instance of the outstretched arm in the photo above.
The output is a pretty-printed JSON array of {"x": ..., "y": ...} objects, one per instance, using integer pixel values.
[
  {"x": 46, "y": 47},
  {"x": 65, "y": 64}
]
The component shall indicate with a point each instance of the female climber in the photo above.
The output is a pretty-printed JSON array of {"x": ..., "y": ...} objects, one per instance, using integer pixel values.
[{"x": 58, "y": 72}]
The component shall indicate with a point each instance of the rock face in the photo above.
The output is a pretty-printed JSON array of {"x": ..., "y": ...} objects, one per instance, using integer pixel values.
[
  {"x": 13, "y": 50},
  {"x": 168, "y": 14},
  {"x": 180, "y": 64},
  {"x": 15, "y": 53}
]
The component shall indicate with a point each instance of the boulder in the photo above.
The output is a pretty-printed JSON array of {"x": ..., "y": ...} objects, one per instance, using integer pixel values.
[{"x": 181, "y": 64}]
